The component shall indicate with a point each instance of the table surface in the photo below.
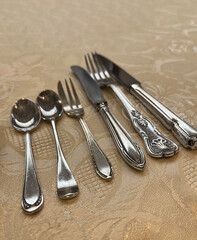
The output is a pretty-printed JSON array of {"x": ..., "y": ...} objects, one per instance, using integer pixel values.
[{"x": 156, "y": 41}]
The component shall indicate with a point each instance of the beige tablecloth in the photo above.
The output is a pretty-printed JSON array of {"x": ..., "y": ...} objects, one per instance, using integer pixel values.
[{"x": 156, "y": 41}]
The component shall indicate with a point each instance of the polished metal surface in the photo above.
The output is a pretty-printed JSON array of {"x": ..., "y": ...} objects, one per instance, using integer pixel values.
[
  {"x": 25, "y": 116},
  {"x": 183, "y": 131},
  {"x": 101, "y": 163},
  {"x": 90, "y": 87},
  {"x": 51, "y": 108},
  {"x": 127, "y": 147},
  {"x": 117, "y": 71},
  {"x": 157, "y": 145}
]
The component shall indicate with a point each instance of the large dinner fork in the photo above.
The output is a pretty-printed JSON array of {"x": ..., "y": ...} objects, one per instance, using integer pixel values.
[
  {"x": 157, "y": 145},
  {"x": 101, "y": 163}
]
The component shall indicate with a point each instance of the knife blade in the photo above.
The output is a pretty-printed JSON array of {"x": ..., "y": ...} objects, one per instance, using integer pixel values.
[
  {"x": 127, "y": 147},
  {"x": 183, "y": 131}
]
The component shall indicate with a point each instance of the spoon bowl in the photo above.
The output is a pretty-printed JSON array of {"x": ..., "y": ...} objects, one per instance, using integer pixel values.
[
  {"x": 50, "y": 105},
  {"x": 25, "y": 116}
]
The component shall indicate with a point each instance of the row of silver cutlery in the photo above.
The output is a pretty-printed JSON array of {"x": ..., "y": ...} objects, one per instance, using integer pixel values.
[{"x": 26, "y": 115}]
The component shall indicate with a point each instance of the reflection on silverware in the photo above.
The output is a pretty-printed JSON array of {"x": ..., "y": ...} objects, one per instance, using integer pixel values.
[
  {"x": 74, "y": 109},
  {"x": 51, "y": 108},
  {"x": 184, "y": 132},
  {"x": 128, "y": 148},
  {"x": 157, "y": 145},
  {"x": 25, "y": 116}
]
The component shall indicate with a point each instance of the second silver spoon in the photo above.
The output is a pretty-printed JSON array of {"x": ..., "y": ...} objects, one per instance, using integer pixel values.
[{"x": 51, "y": 108}]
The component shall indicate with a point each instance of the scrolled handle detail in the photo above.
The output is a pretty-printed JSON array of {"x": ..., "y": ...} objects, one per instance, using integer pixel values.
[
  {"x": 183, "y": 131},
  {"x": 156, "y": 143},
  {"x": 147, "y": 130}
]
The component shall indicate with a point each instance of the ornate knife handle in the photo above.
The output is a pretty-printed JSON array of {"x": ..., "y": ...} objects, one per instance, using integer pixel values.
[
  {"x": 157, "y": 145},
  {"x": 128, "y": 148},
  {"x": 101, "y": 163},
  {"x": 184, "y": 132}
]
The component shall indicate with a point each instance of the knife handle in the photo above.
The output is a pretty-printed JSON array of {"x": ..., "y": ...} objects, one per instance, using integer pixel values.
[
  {"x": 128, "y": 148},
  {"x": 183, "y": 131},
  {"x": 157, "y": 145}
]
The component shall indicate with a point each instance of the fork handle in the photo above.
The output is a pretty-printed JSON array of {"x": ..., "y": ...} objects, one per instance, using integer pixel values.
[
  {"x": 101, "y": 163},
  {"x": 127, "y": 147},
  {"x": 157, "y": 145},
  {"x": 66, "y": 184}
]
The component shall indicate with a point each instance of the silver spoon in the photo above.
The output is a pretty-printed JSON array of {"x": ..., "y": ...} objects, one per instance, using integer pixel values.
[
  {"x": 51, "y": 108},
  {"x": 25, "y": 116}
]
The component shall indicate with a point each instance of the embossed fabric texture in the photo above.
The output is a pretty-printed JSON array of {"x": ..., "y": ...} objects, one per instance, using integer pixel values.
[{"x": 155, "y": 41}]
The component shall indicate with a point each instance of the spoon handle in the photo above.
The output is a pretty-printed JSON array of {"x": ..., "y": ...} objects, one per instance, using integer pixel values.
[
  {"x": 66, "y": 184},
  {"x": 32, "y": 200}
]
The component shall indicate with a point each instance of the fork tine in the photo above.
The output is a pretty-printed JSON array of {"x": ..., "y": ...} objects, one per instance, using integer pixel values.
[
  {"x": 87, "y": 64},
  {"x": 62, "y": 94},
  {"x": 75, "y": 93},
  {"x": 98, "y": 65},
  {"x": 95, "y": 62},
  {"x": 70, "y": 95},
  {"x": 93, "y": 71},
  {"x": 91, "y": 64},
  {"x": 102, "y": 67}
]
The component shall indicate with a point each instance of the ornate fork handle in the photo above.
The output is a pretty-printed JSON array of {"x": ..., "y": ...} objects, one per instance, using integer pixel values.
[
  {"x": 128, "y": 148},
  {"x": 184, "y": 132},
  {"x": 102, "y": 165},
  {"x": 157, "y": 145}
]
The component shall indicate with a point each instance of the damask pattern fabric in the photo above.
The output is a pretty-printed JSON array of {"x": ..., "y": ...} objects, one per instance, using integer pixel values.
[{"x": 155, "y": 41}]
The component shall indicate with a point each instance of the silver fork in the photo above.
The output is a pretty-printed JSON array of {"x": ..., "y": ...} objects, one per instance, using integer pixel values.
[
  {"x": 101, "y": 163},
  {"x": 157, "y": 145}
]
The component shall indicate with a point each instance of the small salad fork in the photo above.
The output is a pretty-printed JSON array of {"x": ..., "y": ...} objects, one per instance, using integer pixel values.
[
  {"x": 157, "y": 145},
  {"x": 101, "y": 163}
]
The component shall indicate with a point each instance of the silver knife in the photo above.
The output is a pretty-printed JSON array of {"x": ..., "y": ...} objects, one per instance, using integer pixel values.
[
  {"x": 128, "y": 148},
  {"x": 183, "y": 131}
]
